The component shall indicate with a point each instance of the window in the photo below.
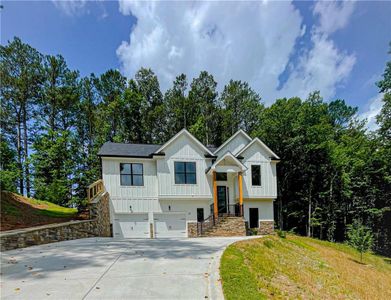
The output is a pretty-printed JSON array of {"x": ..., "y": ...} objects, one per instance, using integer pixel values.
[
  {"x": 256, "y": 175},
  {"x": 132, "y": 174},
  {"x": 200, "y": 214},
  {"x": 221, "y": 176},
  {"x": 185, "y": 172}
]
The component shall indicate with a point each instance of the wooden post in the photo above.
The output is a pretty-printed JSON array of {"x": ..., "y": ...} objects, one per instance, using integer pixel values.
[
  {"x": 215, "y": 206},
  {"x": 240, "y": 183}
]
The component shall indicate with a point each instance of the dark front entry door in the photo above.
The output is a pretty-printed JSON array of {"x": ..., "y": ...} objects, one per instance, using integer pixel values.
[
  {"x": 253, "y": 212},
  {"x": 222, "y": 199}
]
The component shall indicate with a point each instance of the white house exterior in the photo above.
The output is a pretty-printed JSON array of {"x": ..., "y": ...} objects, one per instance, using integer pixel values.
[{"x": 164, "y": 190}]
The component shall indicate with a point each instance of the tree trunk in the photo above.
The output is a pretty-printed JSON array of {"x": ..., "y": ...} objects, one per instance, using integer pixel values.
[
  {"x": 19, "y": 150},
  {"x": 26, "y": 160}
]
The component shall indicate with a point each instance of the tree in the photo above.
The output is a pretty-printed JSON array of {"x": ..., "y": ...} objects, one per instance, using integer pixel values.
[
  {"x": 110, "y": 87},
  {"x": 177, "y": 107},
  {"x": 153, "y": 118},
  {"x": 242, "y": 108},
  {"x": 55, "y": 146},
  {"x": 86, "y": 142},
  {"x": 360, "y": 238},
  {"x": 9, "y": 172},
  {"x": 20, "y": 72},
  {"x": 203, "y": 100},
  {"x": 385, "y": 84}
]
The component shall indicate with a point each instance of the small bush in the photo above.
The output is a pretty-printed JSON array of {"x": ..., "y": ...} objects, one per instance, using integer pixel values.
[
  {"x": 252, "y": 231},
  {"x": 281, "y": 233},
  {"x": 360, "y": 238}
]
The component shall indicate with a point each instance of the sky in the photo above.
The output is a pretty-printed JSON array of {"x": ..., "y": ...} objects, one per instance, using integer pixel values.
[{"x": 281, "y": 48}]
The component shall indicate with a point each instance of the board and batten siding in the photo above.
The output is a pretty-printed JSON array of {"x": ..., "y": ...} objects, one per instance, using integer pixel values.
[
  {"x": 183, "y": 149},
  {"x": 256, "y": 155},
  {"x": 111, "y": 179},
  {"x": 235, "y": 145}
]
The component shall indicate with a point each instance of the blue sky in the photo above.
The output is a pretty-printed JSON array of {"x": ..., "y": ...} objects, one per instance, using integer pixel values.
[{"x": 282, "y": 49}]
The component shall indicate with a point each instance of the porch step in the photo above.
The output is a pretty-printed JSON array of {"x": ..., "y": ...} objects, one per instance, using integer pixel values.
[{"x": 228, "y": 226}]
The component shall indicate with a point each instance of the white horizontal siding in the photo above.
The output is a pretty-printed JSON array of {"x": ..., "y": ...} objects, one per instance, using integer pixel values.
[
  {"x": 189, "y": 207},
  {"x": 184, "y": 149},
  {"x": 122, "y": 205}
]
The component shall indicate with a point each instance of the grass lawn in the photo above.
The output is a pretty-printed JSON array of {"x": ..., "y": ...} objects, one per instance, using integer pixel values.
[
  {"x": 302, "y": 268},
  {"x": 50, "y": 209},
  {"x": 18, "y": 212}
]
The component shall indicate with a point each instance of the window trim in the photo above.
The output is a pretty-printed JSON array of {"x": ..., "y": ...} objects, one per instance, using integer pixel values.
[
  {"x": 131, "y": 174},
  {"x": 260, "y": 176},
  {"x": 185, "y": 172}
]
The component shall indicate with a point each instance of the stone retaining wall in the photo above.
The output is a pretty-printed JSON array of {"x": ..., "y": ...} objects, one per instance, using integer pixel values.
[{"x": 99, "y": 225}]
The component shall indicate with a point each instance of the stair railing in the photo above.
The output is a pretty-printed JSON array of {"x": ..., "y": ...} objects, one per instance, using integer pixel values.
[{"x": 235, "y": 210}]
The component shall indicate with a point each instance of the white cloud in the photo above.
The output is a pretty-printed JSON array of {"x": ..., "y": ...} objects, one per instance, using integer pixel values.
[
  {"x": 250, "y": 41},
  {"x": 333, "y": 15},
  {"x": 71, "y": 7},
  {"x": 322, "y": 68},
  {"x": 371, "y": 110}
]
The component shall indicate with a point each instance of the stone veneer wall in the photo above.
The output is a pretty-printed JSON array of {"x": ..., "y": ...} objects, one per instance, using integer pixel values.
[
  {"x": 99, "y": 225},
  {"x": 192, "y": 229},
  {"x": 266, "y": 227}
]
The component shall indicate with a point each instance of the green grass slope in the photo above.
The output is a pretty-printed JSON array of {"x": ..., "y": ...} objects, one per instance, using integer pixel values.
[
  {"x": 20, "y": 212},
  {"x": 302, "y": 268}
]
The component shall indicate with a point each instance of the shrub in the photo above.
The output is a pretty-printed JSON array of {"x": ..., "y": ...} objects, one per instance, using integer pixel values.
[
  {"x": 281, "y": 233},
  {"x": 360, "y": 237}
]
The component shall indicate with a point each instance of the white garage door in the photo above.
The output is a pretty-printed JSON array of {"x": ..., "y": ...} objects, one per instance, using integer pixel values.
[
  {"x": 170, "y": 225},
  {"x": 131, "y": 226}
]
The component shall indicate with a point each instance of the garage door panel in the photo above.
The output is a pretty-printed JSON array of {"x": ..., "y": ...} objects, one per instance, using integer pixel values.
[
  {"x": 131, "y": 226},
  {"x": 170, "y": 225}
]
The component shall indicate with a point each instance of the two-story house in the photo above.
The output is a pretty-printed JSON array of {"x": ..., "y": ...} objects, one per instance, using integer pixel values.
[{"x": 165, "y": 190}]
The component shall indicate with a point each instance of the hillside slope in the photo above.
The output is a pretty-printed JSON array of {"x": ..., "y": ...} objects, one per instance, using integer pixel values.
[
  {"x": 302, "y": 268},
  {"x": 20, "y": 212}
]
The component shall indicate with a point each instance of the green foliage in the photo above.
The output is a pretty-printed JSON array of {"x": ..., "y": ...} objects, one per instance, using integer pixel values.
[
  {"x": 9, "y": 172},
  {"x": 281, "y": 233},
  {"x": 54, "y": 122},
  {"x": 360, "y": 237}
]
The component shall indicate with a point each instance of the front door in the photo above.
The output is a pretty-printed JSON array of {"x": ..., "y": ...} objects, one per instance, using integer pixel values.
[
  {"x": 253, "y": 212},
  {"x": 222, "y": 199}
]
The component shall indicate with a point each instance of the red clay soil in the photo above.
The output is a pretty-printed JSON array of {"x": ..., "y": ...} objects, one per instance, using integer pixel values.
[{"x": 16, "y": 213}]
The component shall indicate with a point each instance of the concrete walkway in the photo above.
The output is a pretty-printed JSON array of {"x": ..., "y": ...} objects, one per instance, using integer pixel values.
[{"x": 105, "y": 268}]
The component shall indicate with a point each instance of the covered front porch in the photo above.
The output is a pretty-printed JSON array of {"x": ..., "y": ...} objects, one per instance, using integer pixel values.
[{"x": 227, "y": 178}]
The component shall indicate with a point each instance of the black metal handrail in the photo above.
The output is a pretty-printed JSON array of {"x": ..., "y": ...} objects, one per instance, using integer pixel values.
[{"x": 234, "y": 210}]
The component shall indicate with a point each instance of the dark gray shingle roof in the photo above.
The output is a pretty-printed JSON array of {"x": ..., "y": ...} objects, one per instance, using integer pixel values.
[{"x": 132, "y": 150}]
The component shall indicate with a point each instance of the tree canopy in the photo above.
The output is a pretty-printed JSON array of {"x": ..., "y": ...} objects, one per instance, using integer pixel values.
[{"x": 333, "y": 171}]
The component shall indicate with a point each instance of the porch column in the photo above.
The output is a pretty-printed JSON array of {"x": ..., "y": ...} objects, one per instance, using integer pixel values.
[
  {"x": 215, "y": 207},
  {"x": 240, "y": 184}
]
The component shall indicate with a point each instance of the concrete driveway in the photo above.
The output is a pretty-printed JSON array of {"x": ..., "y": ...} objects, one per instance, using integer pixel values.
[{"x": 105, "y": 268}]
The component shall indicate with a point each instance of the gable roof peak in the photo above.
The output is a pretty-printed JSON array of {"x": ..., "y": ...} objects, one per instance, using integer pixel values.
[
  {"x": 258, "y": 140},
  {"x": 240, "y": 131},
  {"x": 192, "y": 137}
]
